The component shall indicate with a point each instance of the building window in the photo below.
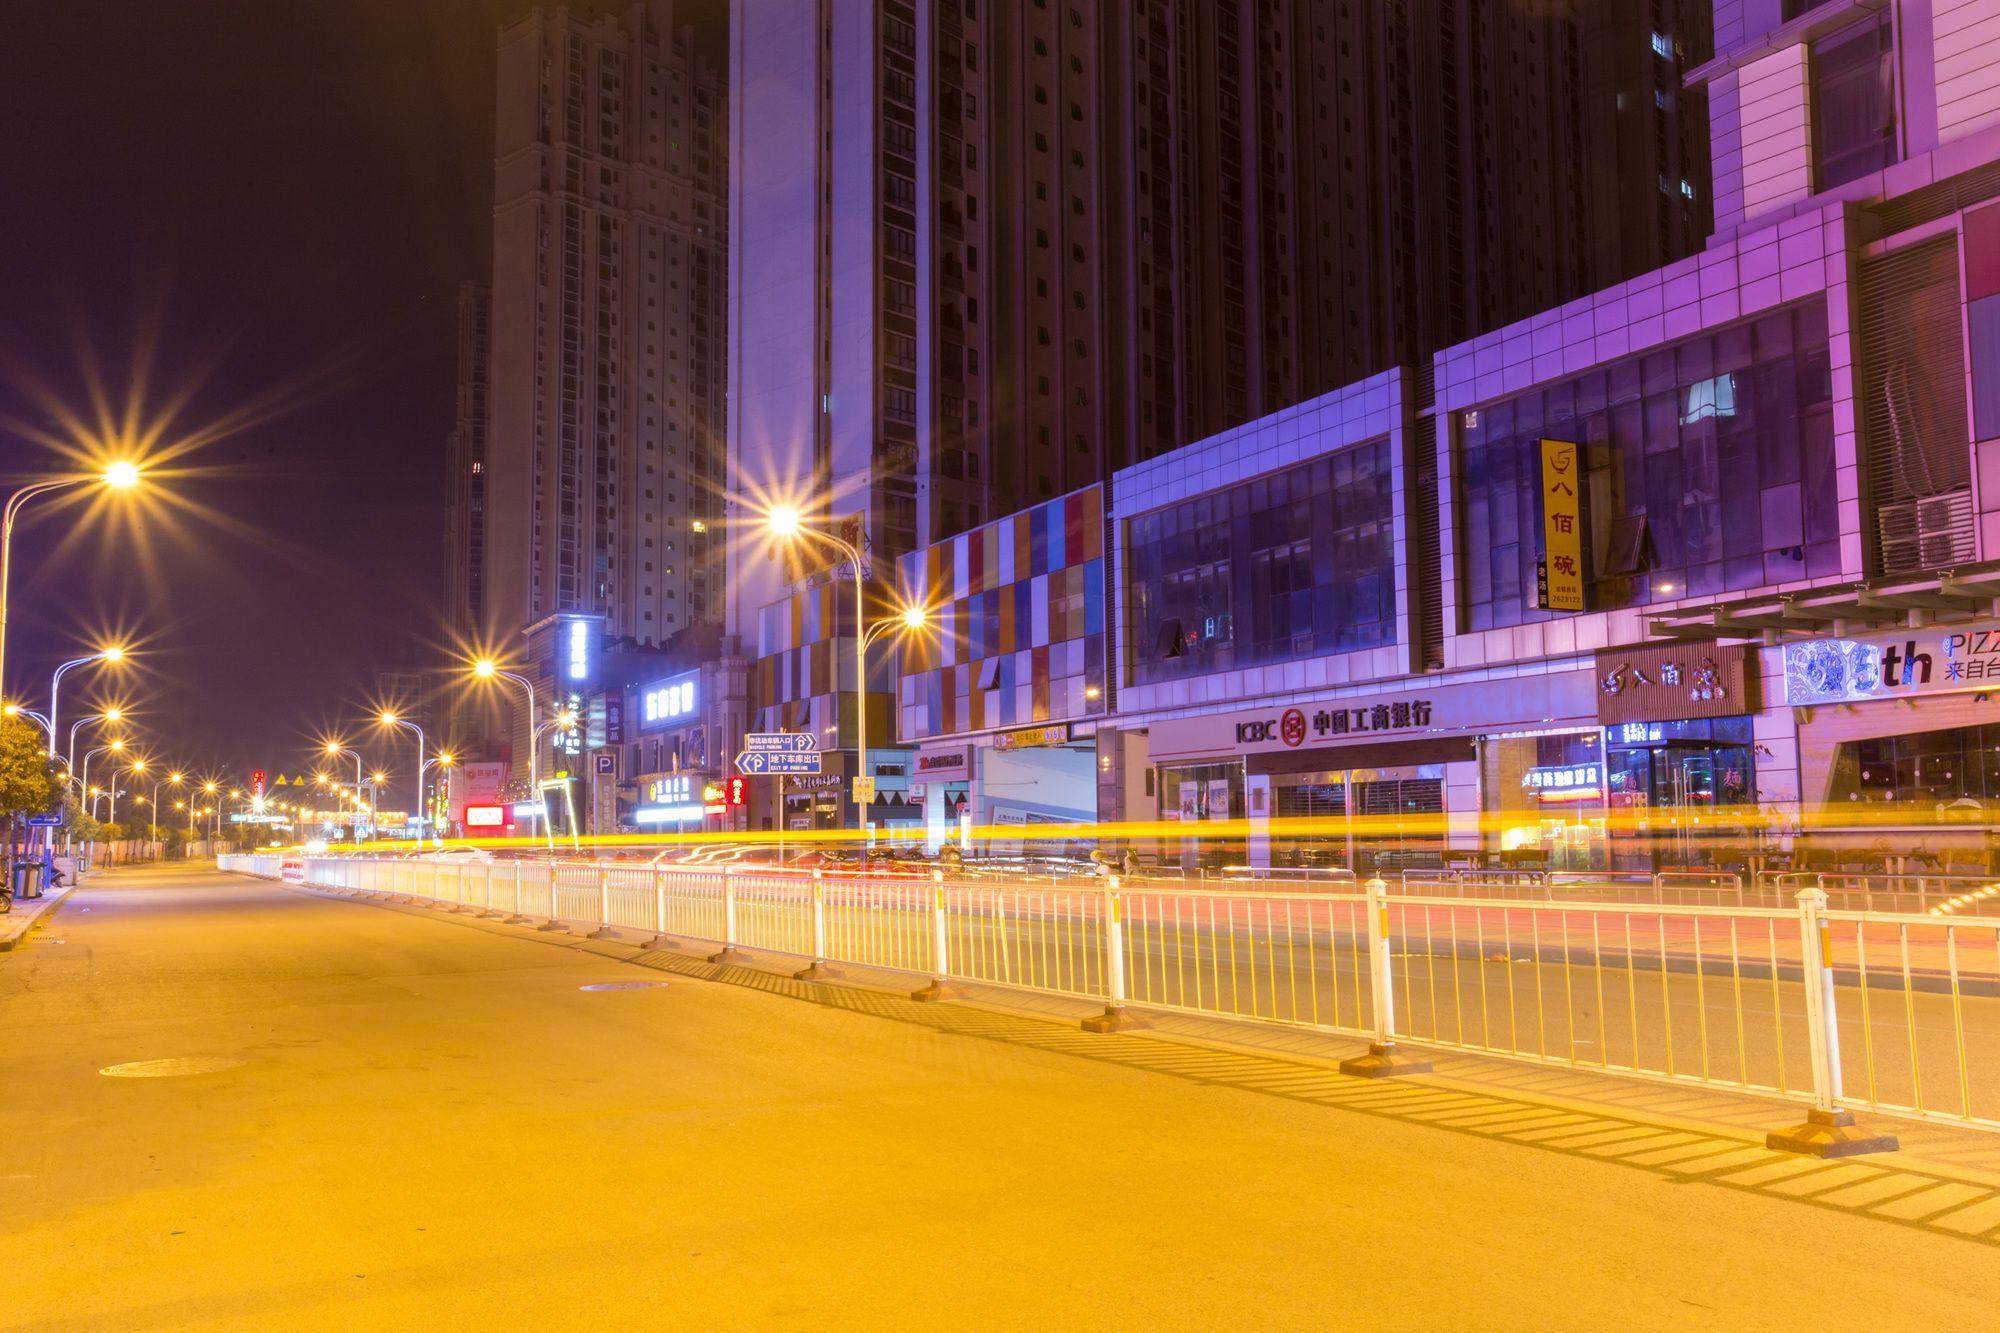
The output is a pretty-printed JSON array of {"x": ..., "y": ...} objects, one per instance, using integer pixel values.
[
  {"x": 1853, "y": 103},
  {"x": 1708, "y": 467},
  {"x": 1287, "y": 566}
]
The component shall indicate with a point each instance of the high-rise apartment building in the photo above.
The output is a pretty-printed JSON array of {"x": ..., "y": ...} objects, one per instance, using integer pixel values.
[
  {"x": 985, "y": 255},
  {"x": 465, "y": 454},
  {"x": 989, "y": 253},
  {"x": 604, "y": 446}
]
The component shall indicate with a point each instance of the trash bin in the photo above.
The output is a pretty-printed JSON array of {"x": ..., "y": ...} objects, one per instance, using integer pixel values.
[{"x": 27, "y": 879}]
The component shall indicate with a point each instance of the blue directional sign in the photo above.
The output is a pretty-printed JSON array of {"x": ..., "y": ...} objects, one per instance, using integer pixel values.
[
  {"x": 781, "y": 742},
  {"x": 44, "y": 821},
  {"x": 756, "y": 763}
]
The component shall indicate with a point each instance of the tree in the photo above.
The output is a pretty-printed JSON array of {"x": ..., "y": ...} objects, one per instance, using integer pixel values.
[{"x": 28, "y": 784}]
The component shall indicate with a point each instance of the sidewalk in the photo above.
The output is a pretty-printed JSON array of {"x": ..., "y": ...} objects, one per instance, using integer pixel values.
[{"x": 15, "y": 925}]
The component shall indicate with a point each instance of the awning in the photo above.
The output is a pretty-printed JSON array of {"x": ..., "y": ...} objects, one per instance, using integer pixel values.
[{"x": 1966, "y": 593}]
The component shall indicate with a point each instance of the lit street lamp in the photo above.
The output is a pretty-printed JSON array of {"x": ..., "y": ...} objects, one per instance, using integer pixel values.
[
  {"x": 113, "y": 655},
  {"x": 389, "y": 719},
  {"x": 486, "y": 669},
  {"x": 786, "y": 523},
  {"x": 112, "y": 714},
  {"x": 119, "y": 476},
  {"x": 115, "y": 747},
  {"x": 15, "y": 710}
]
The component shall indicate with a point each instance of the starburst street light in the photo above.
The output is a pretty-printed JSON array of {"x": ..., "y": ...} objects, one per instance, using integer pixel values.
[
  {"x": 787, "y": 524},
  {"x": 114, "y": 654},
  {"x": 388, "y": 718},
  {"x": 120, "y": 475}
]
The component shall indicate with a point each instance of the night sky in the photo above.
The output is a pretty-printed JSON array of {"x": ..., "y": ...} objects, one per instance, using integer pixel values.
[{"x": 273, "y": 204}]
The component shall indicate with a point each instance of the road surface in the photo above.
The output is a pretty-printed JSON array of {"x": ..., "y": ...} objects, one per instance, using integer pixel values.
[{"x": 413, "y": 1120}]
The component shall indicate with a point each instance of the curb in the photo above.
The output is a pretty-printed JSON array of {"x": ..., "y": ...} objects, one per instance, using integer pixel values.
[{"x": 14, "y": 926}]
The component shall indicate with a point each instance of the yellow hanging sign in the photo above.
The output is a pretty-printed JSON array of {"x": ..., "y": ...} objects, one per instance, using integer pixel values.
[{"x": 1561, "y": 574}]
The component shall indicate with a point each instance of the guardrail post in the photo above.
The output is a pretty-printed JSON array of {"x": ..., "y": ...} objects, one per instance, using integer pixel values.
[
  {"x": 1116, "y": 1017},
  {"x": 659, "y": 940},
  {"x": 941, "y": 987},
  {"x": 1384, "y": 1059},
  {"x": 1829, "y": 1129},
  {"x": 604, "y": 930},
  {"x": 516, "y": 919},
  {"x": 554, "y": 922},
  {"x": 730, "y": 954},
  {"x": 821, "y": 970}
]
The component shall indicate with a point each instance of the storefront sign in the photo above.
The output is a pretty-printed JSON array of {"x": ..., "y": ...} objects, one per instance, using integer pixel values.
[
  {"x": 815, "y": 782},
  {"x": 1294, "y": 726},
  {"x": 1554, "y": 699},
  {"x": 945, "y": 764},
  {"x": 1895, "y": 664},
  {"x": 1056, "y": 733},
  {"x": 1564, "y": 782},
  {"x": 1673, "y": 682},
  {"x": 1559, "y": 581}
]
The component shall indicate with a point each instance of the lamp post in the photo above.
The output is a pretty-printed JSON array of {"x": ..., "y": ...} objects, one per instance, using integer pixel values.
[
  {"x": 113, "y": 654},
  {"x": 120, "y": 476},
  {"x": 114, "y": 747},
  {"x": 334, "y": 749},
  {"x": 786, "y": 523},
  {"x": 389, "y": 719},
  {"x": 112, "y": 714},
  {"x": 442, "y": 763},
  {"x": 15, "y": 710},
  {"x": 138, "y": 767},
  {"x": 486, "y": 669}
]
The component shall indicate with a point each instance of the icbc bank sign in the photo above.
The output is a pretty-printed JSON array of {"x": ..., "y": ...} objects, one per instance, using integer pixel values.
[
  {"x": 1288, "y": 727},
  {"x": 1295, "y": 726}
]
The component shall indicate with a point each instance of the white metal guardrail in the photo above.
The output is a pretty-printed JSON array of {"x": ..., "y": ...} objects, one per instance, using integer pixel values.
[{"x": 1894, "y": 1012}]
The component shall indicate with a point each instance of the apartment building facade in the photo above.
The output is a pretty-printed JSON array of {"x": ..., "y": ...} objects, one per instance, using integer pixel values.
[
  {"x": 607, "y": 353},
  {"x": 987, "y": 255},
  {"x": 1722, "y": 536}
]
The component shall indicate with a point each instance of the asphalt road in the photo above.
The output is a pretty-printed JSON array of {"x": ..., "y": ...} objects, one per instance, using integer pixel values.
[{"x": 424, "y": 1122}]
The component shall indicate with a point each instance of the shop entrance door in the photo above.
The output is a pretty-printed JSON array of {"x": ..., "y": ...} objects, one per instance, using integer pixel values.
[{"x": 1666, "y": 800}]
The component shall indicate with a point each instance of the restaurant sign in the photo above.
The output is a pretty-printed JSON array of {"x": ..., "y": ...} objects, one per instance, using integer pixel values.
[
  {"x": 1673, "y": 682},
  {"x": 1895, "y": 664}
]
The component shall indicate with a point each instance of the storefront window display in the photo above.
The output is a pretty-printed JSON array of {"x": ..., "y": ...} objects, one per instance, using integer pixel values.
[
  {"x": 1932, "y": 794},
  {"x": 1201, "y": 793},
  {"x": 1546, "y": 794}
]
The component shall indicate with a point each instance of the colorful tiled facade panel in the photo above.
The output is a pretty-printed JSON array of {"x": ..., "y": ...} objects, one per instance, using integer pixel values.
[
  {"x": 805, "y": 657},
  {"x": 1018, "y": 616}
]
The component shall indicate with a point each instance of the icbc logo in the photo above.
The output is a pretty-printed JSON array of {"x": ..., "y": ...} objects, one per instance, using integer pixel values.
[{"x": 1292, "y": 727}]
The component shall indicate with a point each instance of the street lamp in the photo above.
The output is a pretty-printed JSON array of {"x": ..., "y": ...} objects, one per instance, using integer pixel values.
[
  {"x": 389, "y": 719},
  {"x": 111, "y": 714},
  {"x": 15, "y": 710},
  {"x": 138, "y": 766},
  {"x": 114, "y": 655},
  {"x": 442, "y": 763},
  {"x": 114, "y": 747},
  {"x": 486, "y": 669},
  {"x": 786, "y": 523},
  {"x": 119, "y": 476}
]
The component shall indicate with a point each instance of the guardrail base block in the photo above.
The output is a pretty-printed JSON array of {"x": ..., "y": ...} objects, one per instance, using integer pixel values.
[
  {"x": 731, "y": 956},
  {"x": 516, "y": 920},
  {"x": 552, "y": 926},
  {"x": 1116, "y": 1018},
  {"x": 820, "y": 971},
  {"x": 1829, "y": 1134},
  {"x": 602, "y": 933},
  {"x": 937, "y": 991},
  {"x": 1385, "y": 1059}
]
